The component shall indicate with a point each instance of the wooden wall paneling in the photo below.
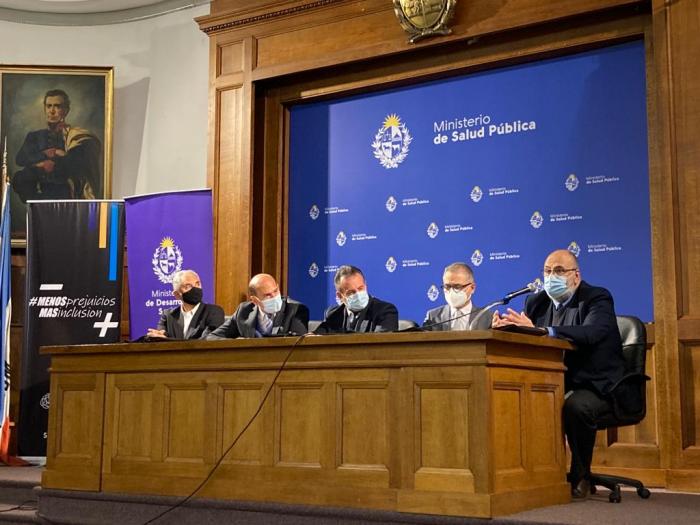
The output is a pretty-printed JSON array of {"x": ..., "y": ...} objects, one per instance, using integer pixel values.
[
  {"x": 18, "y": 275},
  {"x": 237, "y": 402},
  {"x": 270, "y": 210},
  {"x": 333, "y": 429},
  {"x": 74, "y": 450},
  {"x": 676, "y": 251},
  {"x": 485, "y": 36},
  {"x": 664, "y": 232},
  {"x": 232, "y": 103},
  {"x": 684, "y": 42},
  {"x": 299, "y": 36},
  {"x": 446, "y": 414}
]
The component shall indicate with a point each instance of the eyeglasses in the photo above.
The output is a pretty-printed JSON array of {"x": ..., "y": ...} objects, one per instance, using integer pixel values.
[
  {"x": 558, "y": 270},
  {"x": 455, "y": 287}
]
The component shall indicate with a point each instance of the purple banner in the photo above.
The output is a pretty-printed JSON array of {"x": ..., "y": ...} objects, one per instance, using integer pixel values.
[{"x": 166, "y": 232}]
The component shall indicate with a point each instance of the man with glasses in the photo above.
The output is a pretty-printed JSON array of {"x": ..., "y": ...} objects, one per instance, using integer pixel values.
[
  {"x": 571, "y": 309},
  {"x": 458, "y": 286},
  {"x": 357, "y": 311}
]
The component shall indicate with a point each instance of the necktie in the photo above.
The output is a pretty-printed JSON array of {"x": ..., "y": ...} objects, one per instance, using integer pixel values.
[
  {"x": 462, "y": 323},
  {"x": 265, "y": 324}
]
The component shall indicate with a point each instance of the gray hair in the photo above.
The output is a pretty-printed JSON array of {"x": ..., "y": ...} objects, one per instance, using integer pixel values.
[
  {"x": 460, "y": 267},
  {"x": 346, "y": 271},
  {"x": 178, "y": 277}
]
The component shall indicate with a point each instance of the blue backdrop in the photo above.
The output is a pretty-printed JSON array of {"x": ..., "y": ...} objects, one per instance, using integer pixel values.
[{"x": 495, "y": 169}]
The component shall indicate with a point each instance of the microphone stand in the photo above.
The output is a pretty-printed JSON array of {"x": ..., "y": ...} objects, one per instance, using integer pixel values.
[{"x": 486, "y": 309}]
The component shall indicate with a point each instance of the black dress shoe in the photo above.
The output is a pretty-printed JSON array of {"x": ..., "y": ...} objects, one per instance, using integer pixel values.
[{"x": 581, "y": 489}]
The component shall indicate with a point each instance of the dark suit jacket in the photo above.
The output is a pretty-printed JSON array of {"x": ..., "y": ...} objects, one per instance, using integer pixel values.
[
  {"x": 590, "y": 324},
  {"x": 378, "y": 316},
  {"x": 292, "y": 319},
  {"x": 437, "y": 319},
  {"x": 206, "y": 319}
]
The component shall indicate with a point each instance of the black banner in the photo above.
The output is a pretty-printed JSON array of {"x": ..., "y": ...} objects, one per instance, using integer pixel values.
[{"x": 74, "y": 282}]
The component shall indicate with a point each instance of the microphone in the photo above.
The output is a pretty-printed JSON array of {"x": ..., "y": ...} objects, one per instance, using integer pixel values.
[{"x": 529, "y": 287}]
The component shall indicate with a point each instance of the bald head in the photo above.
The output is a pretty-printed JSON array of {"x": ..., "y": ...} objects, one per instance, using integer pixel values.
[
  {"x": 262, "y": 286},
  {"x": 563, "y": 256},
  {"x": 563, "y": 263}
]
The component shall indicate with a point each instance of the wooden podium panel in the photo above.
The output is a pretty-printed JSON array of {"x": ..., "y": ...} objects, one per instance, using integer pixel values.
[{"x": 465, "y": 424}]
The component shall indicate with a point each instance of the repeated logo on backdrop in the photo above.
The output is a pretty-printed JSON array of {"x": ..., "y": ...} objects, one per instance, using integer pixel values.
[{"x": 496, "y": 170}]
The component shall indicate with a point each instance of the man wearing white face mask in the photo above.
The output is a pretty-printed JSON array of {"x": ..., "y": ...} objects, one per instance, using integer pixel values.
[
  {"x": 265, "y": 314},
  {"x": 572, "y": 309},
  {"x": 458, "y": 286},
  {"x": 357, "y": 311}
]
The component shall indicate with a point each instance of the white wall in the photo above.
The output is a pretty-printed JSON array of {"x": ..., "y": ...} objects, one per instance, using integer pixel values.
[{"x": 160, "y": 91}]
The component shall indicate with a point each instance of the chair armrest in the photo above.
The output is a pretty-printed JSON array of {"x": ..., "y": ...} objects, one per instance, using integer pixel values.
[
  {"x": 628, "y": 399},
  {"x": 628, "y": 378}
]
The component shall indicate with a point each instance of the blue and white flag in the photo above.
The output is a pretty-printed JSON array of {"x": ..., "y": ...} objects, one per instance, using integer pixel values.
[{"x": 5, "y": 314}]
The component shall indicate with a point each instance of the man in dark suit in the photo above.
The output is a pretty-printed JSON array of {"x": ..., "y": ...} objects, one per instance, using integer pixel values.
[
  {"x": 61, "y": 161},
  {"x": 585, "y": 315},
  {"x": 458, "y": 285},
  {"x": 193, "y": 319},
  {"x": 357, "y": 311},
  {"x": 266, "y": 313}
]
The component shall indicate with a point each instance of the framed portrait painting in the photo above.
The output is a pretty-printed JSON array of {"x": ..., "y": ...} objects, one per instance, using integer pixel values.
[{"x": 56, "y": 129}]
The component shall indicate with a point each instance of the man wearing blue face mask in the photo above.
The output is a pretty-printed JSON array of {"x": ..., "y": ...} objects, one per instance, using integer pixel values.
[
  {"x": 571, "y": 309},
  {"x": 458, "y": 285},
  {"x": 358, "y": 311},
  {"x": 193, "y": 319},
  {"x": 265, "y": 314}
]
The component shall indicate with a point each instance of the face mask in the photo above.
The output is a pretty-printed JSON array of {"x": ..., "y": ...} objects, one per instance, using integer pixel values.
[
  {"x": 192, "y": 296},
  {"x": 357, "y": 301},
  {"x": 272, "y": 305},
  {"x": 457, "y": 299},
  {"x": 556, "y": 288}
]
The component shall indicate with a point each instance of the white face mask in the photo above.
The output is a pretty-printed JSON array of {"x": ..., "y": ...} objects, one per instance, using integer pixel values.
[{"x": 457, "y": 299}]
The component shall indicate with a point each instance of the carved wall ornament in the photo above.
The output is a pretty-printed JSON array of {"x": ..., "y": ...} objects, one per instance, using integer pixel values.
[{"x": 424, "y": 18}]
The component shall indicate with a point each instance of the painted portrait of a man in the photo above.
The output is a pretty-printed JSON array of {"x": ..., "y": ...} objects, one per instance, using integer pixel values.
[
  {"x": 60, "y": 161},
  {"x": 57, "y": 130}
]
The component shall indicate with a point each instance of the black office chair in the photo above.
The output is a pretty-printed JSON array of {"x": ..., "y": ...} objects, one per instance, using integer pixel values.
[{"x": 628, "y": 398}]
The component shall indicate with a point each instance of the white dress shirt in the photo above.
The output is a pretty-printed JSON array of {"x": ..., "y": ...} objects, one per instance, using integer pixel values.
[{"x": 187, "y": 318}]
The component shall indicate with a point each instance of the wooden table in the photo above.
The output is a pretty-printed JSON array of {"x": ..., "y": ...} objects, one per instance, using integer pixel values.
[{"x": 455, "y": 423}]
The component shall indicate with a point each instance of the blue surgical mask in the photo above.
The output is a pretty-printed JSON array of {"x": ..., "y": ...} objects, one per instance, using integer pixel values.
[
  {"x": 272, "y": 305},
  {"x": 556, "y": 288},
  {"x": 357, "y": 301}
]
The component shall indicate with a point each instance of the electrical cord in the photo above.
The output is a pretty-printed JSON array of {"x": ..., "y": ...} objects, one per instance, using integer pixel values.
[
  {"x": 235, "y": 440},
  {"x": 25, "y": 505}
]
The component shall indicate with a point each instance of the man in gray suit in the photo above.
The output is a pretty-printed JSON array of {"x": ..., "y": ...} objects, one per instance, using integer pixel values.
[{"x": 458, "y": 286}]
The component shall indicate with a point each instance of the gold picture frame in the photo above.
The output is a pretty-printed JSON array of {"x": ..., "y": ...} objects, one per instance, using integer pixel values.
[{"x": 56, "y": 125}]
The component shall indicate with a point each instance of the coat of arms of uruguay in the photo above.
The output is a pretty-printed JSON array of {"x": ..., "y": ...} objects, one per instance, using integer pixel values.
[
  {"x": 391, "y": 142},
  {"x": 167, "y": 259},
  {"x": 423, "y": 18}
]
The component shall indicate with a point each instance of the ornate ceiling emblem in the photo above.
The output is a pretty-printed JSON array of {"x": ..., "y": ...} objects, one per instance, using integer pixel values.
[{"x": 424, "y": 18}]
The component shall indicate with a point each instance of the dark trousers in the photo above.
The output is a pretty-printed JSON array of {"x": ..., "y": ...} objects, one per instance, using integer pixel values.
[{"x": 582, "y": 411}]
